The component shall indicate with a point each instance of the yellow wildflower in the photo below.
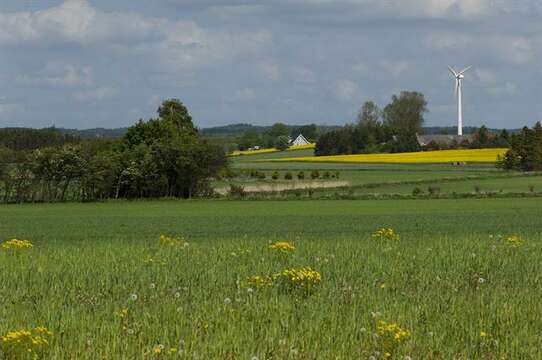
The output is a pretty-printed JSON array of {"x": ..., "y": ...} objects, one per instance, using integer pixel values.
[
  {"x": 35, "y": 340},
  {"x": 514, "y": 241},
  {"x": 282, "y": 246},
  {"x": 17, "y": 244},
  {"x": 385, "y": 234},
  {"x": 178, "y": 241},
  {"x": 483, "y": 334}
]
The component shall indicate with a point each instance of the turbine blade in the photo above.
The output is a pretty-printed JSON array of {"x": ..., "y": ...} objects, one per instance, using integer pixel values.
[
  {"x": 465, "y": 70},
  {"x": 452, "y": 70}
]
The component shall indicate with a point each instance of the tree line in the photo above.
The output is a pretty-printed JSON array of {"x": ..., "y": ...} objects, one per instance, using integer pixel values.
[
  {"x": 392, "y": 129},
  {"x": 525, "y": 152},
  {"x": 395, "y": 128},
  {"x": 161, "y": 157}
]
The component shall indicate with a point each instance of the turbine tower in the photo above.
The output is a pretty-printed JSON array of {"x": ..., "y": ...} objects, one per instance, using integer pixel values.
[{"x": 459, "y": 76}]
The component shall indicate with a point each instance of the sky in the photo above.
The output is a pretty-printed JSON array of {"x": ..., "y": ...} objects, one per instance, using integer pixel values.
[{"x": 102, "y": 63}]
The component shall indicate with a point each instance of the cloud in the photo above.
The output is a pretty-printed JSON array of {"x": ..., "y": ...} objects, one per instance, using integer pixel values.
[
  {"x": 346, "y": 90},
  {"x": 100, "y": 93},
  {"x": 174, "y": 44},
  {"x": 485, "y": 75},
  {"x": 269, "y": 70},
  {"x": 244, "y": 94},
  {"x": 508, "y": 89},
  {"x": 396, "y": 68},
  {"x": 508, "y": 48},
  {"x": 61, "y": 75},
  {"x": 73, "y": 21},
  {"x": 303, "y": 75},
  {"x": 10, "y": 108}
]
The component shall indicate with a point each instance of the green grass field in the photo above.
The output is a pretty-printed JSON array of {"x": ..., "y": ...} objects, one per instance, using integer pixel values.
[
  {"x": 390, "y": 179},
  {"x": 98, "y": 278}
]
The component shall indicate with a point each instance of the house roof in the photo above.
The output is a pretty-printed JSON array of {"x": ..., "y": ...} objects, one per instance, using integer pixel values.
[{"x": 442, "y": 139}]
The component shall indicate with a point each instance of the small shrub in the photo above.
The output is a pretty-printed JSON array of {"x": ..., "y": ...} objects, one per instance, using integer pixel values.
[
  {"x": 288, "y": 176},
  {"x": 301, "y": 175},
  {"x": 477, "y": 189},
  {"x": 433, "y": 190},
  {"x": 416, "y": 191},
  {"x": 337, "y": 174},
  {"x": 261, "y": 175},
  {"x": 275, "y": 175},
  {"x": 531, "y": 188},
  {"x": 237, "y": 190},
  {"x": 327, "y": 175},
  {"x": 315, "y": 174}
]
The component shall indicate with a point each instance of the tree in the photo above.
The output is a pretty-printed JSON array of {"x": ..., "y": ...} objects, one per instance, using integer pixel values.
[
  {"x": 249, "y": 139},
  {"x": 405, "y": 116},
  {"x": 310, "y": 132},
  {"x": 279, "y": 129},
  {"x": 369, "y": 115},
  {"x": 405, "y": 113},
  {"x": 282, "y": 143},
  {"x": 174, "y": 112},
  {"x": 525, "y": 152}
]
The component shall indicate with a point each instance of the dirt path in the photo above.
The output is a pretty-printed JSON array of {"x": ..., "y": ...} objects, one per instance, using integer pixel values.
[{"x": 254, "y": 188}]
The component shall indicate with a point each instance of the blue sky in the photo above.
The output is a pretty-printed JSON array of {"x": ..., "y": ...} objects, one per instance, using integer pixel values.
[{"x": 97, "y": 63}]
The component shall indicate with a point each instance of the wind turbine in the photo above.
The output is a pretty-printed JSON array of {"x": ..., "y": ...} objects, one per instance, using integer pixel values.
[{"x": 459, "y": 76}]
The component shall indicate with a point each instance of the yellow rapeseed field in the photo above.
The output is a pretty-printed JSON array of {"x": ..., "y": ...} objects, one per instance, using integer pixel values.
[
  {"x": 440, "y": 156},
  {"x": 272, "y": 150}
]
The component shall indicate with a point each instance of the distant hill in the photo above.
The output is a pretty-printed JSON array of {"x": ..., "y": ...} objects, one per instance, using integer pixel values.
[
  {"x": 96, "y": 133},
  {"x": 233, "y": 130},
  {"x": 236, "y": 130}
]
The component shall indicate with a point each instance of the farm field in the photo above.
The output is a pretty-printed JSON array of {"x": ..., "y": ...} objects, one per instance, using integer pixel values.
[
  {"x": 439, "y": 156},
  {"x": 361, "y": 179},
  {"x": 455, "y": 285}
]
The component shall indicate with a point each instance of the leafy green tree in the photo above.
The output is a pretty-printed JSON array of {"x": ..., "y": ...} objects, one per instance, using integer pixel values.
[
  {"x": 369, "y": 115},
  {"x": 249, "y": 139},
  {"x": 279, "y": 129},
  {"x": 282, "y": 143},
  {"x": 175, "y": 113}
]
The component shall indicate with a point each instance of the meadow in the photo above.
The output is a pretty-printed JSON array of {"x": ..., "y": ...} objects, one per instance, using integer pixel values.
[{"x": 461, "y": 281}]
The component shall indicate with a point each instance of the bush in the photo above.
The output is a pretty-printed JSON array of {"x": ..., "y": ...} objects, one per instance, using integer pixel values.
[
  {"x": 288, "y": 176},
  {"x": 477, "y": 189},
  {"x": 327, "y": 175},
  {"x": 261, "y": 175},
  {"x": 237, "y": 190},
  {"x": 275, "y": 175},
  {"x": 416, "y": 191},
  {"x": 433, "y": 190},
  {"x": 301, "y": 175},
  {"x": 315, "y": 174}
]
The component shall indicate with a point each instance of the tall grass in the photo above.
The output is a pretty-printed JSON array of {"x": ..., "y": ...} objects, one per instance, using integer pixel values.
[{"x": 106, "y": 288}]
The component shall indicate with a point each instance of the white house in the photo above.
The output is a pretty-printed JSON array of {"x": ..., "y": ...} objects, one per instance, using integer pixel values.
[{"x": 299, "y": 141}]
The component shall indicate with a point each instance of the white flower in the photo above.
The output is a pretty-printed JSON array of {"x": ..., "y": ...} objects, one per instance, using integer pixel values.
[
  {"x": 227, "y": 301},
  {"x": 250, "y": 290},
  {"x": 133, "y": 297},
  {"x": 282, "y": 342},
  {"x": 130, "y": 331},
  {"x": 407, "y": 357},
  {"x": 481, "y": 280},
  {"x": 177, "y": 295},
  {"x": 293, "y": 352},
  {"x": 152, "y": 285},
  {"x": 254, "y": 358}
]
